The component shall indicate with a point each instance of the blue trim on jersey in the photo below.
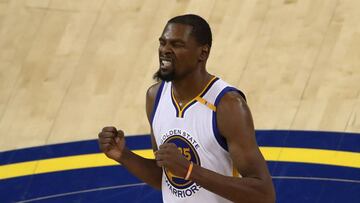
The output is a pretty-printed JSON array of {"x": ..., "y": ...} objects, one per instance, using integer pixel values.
[
  {"x": 221, "y": 140},
  {"x": 209, "y": 86},
  {"x": 157, "y": 99},
  {"x": 174, "y": 103}
]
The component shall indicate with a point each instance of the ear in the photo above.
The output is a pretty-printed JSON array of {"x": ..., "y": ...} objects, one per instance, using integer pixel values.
[{"x": 204, "y": 54}]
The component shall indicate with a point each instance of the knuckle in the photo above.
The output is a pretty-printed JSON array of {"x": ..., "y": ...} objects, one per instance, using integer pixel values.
[
  {"x": 108, "y": 134},
  {"x": 120, "y": 133},
  {"x": 109, "y": 128}
]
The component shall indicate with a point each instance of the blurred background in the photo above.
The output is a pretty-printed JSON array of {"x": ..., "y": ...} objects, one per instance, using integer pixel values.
[{"x": 70, "y": 67}]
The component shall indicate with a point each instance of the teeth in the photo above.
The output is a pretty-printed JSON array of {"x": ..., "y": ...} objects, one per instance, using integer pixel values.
[{"x": 166, "y": 63}]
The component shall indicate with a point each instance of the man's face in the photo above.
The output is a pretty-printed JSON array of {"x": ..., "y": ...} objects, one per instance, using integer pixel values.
[{"x": 178, "y": 52}]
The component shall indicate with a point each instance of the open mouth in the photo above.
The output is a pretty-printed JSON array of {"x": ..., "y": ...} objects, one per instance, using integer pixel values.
[{"x": 165, "y": 63}]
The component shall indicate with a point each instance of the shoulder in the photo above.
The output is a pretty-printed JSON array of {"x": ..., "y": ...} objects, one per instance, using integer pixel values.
[
  {"x": 150, "y": 98},
  {"x": 232, "y": 99},
  {"x": 233, "y": 115},
  {"x": 152, "y": 91}
]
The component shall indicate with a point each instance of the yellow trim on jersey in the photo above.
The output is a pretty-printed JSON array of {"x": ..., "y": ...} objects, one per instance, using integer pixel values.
[
  {"x": 282, "y": 154},
  {"x": 206, "y": 103},
  {"x": 176, "y": 103},
  {"x": 181, "y": 110}
]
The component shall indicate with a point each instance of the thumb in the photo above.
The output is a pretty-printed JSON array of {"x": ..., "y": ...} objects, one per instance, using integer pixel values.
[
  {"x": 117, "y": 139},
  {"x": 120, "y": 133}
]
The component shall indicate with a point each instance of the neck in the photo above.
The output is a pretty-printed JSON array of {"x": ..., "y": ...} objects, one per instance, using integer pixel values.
[{"x": 190, "y": 86}]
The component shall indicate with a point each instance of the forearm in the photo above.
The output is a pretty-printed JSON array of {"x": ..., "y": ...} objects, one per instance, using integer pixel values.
[
  {"x": 142, "y": 168},
  {"x": 236, "y": 189}
]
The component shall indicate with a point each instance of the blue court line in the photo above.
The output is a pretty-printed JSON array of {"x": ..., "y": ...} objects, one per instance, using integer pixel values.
[
  {"x": 278, "y": 169},
  {"x": 276, "y": 138},
  {"x": 341, "y": 141},
  {"x": 316, "y": 179}
]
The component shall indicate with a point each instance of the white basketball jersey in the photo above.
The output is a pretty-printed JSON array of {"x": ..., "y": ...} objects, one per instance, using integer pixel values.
[{"x": 193, "y": 129}]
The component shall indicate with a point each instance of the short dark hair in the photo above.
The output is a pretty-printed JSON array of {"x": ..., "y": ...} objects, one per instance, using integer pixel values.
[{"x": 201, "y": 29}]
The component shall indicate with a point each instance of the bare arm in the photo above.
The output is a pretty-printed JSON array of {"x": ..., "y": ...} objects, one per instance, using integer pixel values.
[
  {"x": 112, "y": 143},
  {"x": 236, "y": 125}
]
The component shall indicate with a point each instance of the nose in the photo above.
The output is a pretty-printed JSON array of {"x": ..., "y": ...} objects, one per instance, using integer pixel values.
[{"x": 165, "y": 49}]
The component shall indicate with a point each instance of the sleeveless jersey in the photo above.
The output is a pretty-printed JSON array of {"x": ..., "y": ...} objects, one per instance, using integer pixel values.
[{"x": 193, "y": 129}]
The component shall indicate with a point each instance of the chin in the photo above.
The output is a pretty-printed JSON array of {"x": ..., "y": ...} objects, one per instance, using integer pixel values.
[{"x": 164, "y": 76}]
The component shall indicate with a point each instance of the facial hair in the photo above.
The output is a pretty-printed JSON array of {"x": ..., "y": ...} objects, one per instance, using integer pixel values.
[{"x": 167, "y": 77}]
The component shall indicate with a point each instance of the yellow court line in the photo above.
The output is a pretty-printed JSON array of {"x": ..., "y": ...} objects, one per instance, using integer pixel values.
[
  {"x": 282, "y": 154},
  {"x": 62, "y": 163},
  {"x": 314, "y": 156}
]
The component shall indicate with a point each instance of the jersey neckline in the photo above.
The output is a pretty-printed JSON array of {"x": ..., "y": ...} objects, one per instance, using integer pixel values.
[{"x": 181, "y": 111}]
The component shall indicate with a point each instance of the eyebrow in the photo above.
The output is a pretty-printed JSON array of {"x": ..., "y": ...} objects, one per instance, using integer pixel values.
[{"x": 172, "y": 40}]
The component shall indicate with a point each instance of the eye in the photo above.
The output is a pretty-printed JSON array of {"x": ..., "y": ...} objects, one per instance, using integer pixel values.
[
  {"x": 162, "y": 42},
  {"x": 178, "y": 44}
]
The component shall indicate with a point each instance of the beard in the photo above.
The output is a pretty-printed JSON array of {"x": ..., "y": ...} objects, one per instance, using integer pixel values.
[{"x": 167, "y": 76}]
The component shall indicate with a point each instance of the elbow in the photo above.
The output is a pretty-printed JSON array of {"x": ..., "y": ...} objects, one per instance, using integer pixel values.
[
  {"x": 156, "y": 186},
  {"x": 268, "y": 191},
  {"x": 269, "y": 195},
  {"x": 156, "y": 183},
  {"x": 261, "y": 194}
]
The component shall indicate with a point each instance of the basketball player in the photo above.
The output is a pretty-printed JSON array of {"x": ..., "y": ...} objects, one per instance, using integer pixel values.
[{"x": 201, "y": 128}]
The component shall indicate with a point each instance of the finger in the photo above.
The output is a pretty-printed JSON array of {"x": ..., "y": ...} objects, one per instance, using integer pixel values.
[
  {"x": 160, "y": 155},
  {"x": 157, "y": 156},
  {"x": 163, "y": 146},
  {"x": 161, "y": 152},
  {"x": 117, "y": 140},
  {"x": 110, "y": 141},
  {"x": 167, "y": 146},
  {"x": 109, "y": 129},
  {"x": 171, "y": 146},
  {"x": 160, "y": 163},
  {"x": 106, "y": 140},
  {"x": 105, "y": 147},
  {"x": 106, "y": 135}
]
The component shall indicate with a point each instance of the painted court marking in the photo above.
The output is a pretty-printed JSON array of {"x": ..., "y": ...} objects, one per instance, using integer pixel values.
[
  {"x": 82, "y": 191},
  {"x": 316, "y": 178},
  {"x": 282, "y": 154},
  {"x": 142, "y": 184}
]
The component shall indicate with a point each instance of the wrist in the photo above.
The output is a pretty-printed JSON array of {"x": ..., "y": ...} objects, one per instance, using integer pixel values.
[{"x": 124, "y": 155}]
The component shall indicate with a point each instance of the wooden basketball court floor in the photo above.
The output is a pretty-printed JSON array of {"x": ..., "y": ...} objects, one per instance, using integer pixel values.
[{"x": 70, "y": 67}]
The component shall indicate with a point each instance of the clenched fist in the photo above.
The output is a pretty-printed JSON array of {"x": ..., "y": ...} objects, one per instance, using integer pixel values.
[
  {"x": 112, "y": 142},
  {"x": 169, "y": 157}
]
